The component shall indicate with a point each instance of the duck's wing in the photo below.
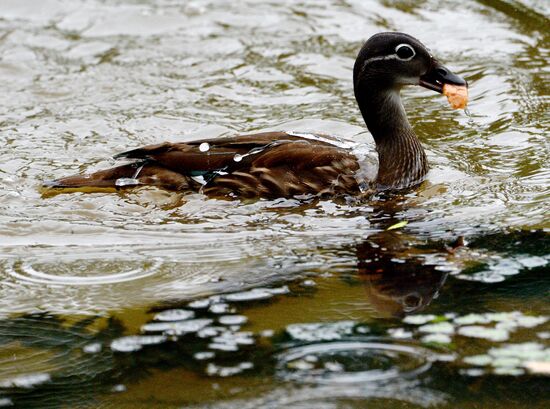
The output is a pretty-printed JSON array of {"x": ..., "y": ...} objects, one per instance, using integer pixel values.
[
  {"x": 270, "y": 164},
  {"x": 289, "y": 169},
  {"x": 207, "y": 155}
]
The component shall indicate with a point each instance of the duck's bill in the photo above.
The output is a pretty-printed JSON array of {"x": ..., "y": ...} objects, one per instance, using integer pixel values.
[{"x": 441, "y": 79}]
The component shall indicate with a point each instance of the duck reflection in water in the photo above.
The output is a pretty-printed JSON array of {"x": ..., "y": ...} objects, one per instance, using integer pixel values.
[{"x": 399, "y": 278}]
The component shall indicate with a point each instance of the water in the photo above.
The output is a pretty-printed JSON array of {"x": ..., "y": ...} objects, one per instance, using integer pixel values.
[{"x": 150, "y": 298}]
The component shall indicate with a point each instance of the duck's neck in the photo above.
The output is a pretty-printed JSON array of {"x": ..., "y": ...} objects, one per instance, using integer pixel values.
[{"x": 402, "y": 161}]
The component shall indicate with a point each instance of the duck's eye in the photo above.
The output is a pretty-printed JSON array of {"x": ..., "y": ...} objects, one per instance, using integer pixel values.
[{"x": 405, "y": 52}]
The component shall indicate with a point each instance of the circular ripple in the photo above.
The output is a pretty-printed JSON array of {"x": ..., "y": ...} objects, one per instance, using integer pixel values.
[
  {"x": 82, "y": 272},
  {"x": 351, "y": 361}
]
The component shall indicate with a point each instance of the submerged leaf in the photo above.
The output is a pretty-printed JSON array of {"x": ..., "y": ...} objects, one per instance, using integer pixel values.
[{"x": 402, "y": 223}]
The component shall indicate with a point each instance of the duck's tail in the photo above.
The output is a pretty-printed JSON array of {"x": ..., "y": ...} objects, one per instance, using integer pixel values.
[{"x": 129, "y": 175}]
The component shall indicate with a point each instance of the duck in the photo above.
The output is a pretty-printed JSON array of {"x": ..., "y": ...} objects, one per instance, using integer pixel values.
[{"x": 286, "y": 164}]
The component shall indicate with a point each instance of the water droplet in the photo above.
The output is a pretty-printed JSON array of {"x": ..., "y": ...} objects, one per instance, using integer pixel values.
[
  {"x": 238, "y": 158},
  {"x": 204, "y": 147}
]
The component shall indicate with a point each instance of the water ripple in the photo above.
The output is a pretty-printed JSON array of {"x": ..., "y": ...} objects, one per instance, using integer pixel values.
[
  {"x": 352, "y": 362},
  {"x": 37, "y": 272}
]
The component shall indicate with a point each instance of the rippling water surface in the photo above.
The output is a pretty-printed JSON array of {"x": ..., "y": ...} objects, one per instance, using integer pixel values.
[{"x": 147, "y": 298}]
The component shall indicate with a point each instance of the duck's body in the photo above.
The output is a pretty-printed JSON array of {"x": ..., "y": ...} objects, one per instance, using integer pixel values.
[
  {"x": 285, "y": 164},
  {"x": 269, "y": 164}
]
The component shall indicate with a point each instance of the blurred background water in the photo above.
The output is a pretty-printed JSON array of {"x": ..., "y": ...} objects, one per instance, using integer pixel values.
[{"x": 147, "y": 298}]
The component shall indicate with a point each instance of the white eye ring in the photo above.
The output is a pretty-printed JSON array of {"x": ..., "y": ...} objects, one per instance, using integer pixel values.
[{"x": 400, "y": 46}]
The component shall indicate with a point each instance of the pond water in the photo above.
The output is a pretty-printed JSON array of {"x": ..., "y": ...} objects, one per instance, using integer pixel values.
[{"x": 147, "y": 298}]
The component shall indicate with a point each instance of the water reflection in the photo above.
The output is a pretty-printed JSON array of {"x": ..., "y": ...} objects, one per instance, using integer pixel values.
[
  {"x": 222, "y": 337},
  {"x": 397, "y": 280}
]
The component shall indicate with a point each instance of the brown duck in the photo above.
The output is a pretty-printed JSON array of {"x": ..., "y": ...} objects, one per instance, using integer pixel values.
[{"x": 285, "y": 164}]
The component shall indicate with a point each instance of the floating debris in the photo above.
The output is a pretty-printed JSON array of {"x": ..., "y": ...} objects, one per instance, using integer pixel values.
[
  {"x": 419, "y": 319},
  {"x": 209, "y": 332},
  {"x": 308, "y": 283},
  {"x": 224, "y": 371},
  {"x": 232, "y": 320},
  {"x": 252, "y": 295},
  {"x": 93, "y": 348},
  {"x": 203, "y": 356},
  {"x": 471, "y": 319},
  {"x": 227, "y": 347},
  {"x": 6, "y": 402},
  {"x": 119, "y": 388},
  {"x": 26, "y": 381},
  {"x": 438, "y": 328},
  {"x": 321, "y": 331},
  {"x": 230, "y": 339},
  {"x": 204, "y": 147},
  {"x": 437, "y": 338},
  {"x": 538, "y": 367},
  {"x": 133, "y": 343},
  {"x": 267, "y": 333},
  {"x": 398, "y": 225},
  {"x": 174, "y": 315},
  {"x": 199, "y": 304},
  {"x": 256, "y": 294},
  {"x": 219, "y": 308},
  {"x": 177, "y": 327},
  {"x": 478, "y": 360},
  {"x": 478, "y": 331}
]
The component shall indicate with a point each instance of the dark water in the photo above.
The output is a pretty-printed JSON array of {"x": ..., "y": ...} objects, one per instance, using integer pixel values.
[{"x": 155, "y": 299}]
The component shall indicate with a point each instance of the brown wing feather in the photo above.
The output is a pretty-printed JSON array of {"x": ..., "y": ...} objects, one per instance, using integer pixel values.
[
  {"x": 187, "y": 157},
  {"x": 291, "y": 169}
]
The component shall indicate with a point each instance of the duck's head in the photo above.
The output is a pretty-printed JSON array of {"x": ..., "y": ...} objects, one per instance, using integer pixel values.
[
  {"x": 392, "y": 60},
  {"x": 386, "y": 63}
]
